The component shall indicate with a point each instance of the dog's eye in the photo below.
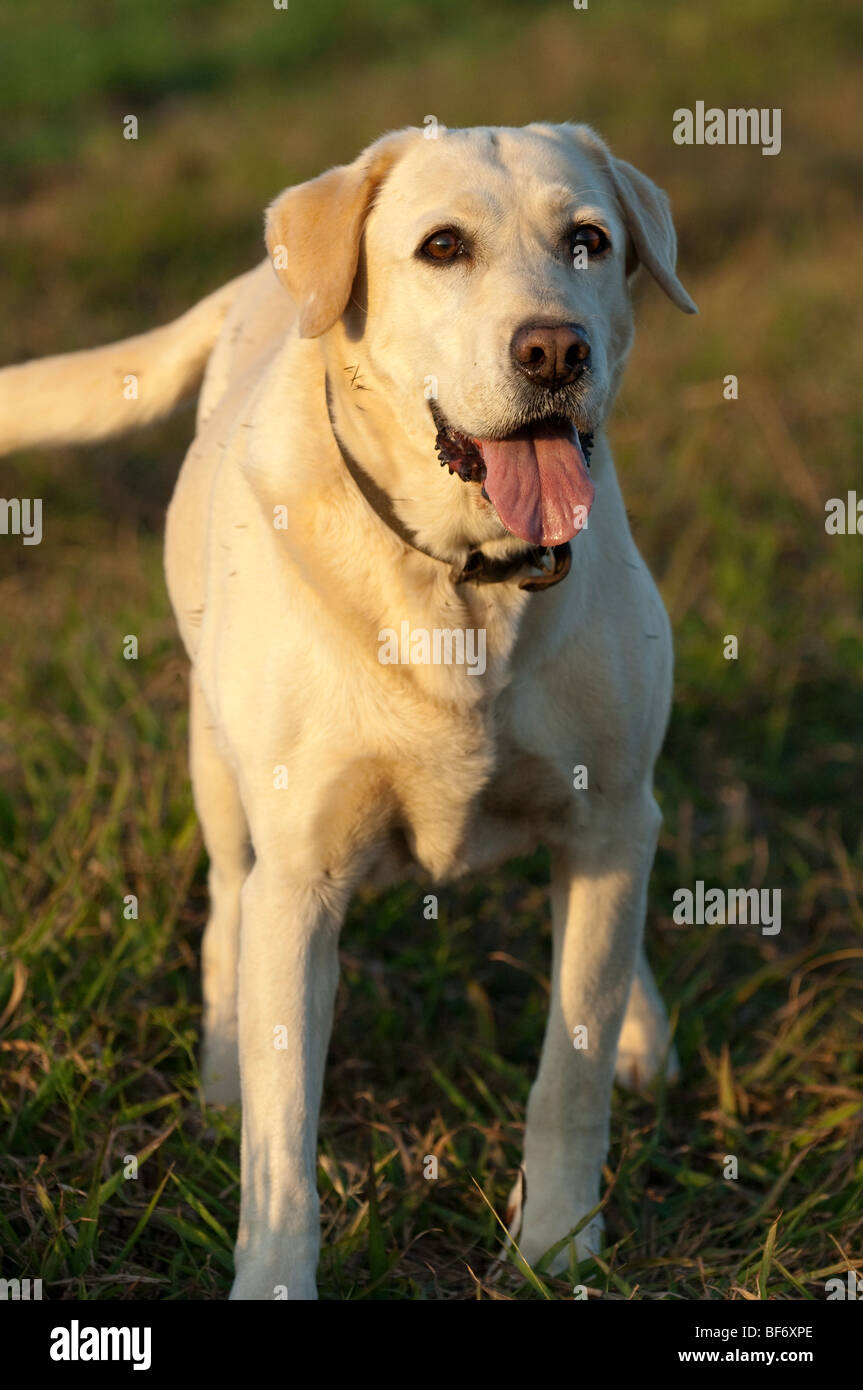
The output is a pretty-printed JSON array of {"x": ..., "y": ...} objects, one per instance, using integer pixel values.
[
  {"x": 593, "y": 239},
  {"x": 445, "y": 245}
]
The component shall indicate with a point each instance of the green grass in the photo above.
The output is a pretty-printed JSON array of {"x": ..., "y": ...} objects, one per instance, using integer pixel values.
[{"x": 439, "y": 1022}]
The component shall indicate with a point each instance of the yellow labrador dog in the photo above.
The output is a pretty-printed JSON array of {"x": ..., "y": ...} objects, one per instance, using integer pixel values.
[{"x": 421, "y": 635}]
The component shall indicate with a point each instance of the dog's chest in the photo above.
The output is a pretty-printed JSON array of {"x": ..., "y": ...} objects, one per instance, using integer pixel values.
[{"x": 494, "y": 789}]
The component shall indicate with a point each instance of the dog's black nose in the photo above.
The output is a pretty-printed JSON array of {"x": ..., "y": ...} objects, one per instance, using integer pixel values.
[{"x": 551, "y": 356}]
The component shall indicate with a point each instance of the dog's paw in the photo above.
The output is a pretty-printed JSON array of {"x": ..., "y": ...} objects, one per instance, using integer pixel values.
[
  {"x": 277, "y": 1267},
  {"x": 252, "y": 1287},
  {"x": 535, "y": 1234},
  {"x": 639, "y": 1068}
]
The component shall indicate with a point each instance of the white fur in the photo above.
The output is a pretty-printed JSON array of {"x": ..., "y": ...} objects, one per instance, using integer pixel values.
[{"x": 394, "y": 769}]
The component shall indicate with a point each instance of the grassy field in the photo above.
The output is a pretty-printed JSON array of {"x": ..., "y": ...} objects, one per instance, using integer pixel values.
[{"x": 439, "y": 1023}]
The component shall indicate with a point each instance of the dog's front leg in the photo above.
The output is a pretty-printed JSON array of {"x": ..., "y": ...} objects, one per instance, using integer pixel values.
[
  {"x": 287, "y": 984},
  {"x": 598, "y": 905}
]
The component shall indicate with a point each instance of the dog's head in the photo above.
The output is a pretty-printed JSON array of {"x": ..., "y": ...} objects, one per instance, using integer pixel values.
[{"x": 474, "y": 287}]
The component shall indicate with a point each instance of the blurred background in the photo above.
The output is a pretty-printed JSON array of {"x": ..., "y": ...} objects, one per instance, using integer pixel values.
[{"x": 440, "y": 1022}]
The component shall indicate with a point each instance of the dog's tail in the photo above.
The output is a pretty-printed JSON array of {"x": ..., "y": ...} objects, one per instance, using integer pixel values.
[{"x": 84, "y": 397}]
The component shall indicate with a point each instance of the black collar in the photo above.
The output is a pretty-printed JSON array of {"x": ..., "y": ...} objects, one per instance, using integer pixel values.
[{"x": 478, "y": 568}]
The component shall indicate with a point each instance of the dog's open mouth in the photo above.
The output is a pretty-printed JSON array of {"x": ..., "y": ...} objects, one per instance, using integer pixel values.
[{"x": 537, "y": 479}]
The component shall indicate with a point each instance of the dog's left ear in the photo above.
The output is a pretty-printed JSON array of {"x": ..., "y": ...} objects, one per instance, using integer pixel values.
[
  {"x": 647, "y": 213},
  {"x": 313, "y": 232}
]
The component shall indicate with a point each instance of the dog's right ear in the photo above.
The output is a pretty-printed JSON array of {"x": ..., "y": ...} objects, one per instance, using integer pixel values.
[{"x": 313, "y": 231}]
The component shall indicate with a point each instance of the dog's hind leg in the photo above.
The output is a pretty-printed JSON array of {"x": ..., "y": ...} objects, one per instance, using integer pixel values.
[
  {"x": 226, "y": 837},
  {"x": 644, "y": 1038}
]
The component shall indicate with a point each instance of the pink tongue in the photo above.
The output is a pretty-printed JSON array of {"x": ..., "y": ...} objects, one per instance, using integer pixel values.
[{"x": 538, "y": 482}]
